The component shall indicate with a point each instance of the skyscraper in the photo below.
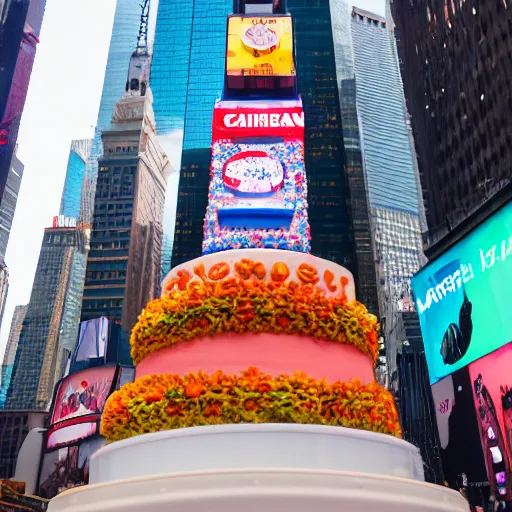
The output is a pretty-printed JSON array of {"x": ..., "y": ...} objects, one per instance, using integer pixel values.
[
  {"x": 39, "y": 357},
  {"x": 20, "y": 27},
  {"x": 126, "y": 240},
  {"x": 10, "y": 351},
  {"x": 8, "y": 202},
  {"x": 191, "y": 36},
  {"x": 187, "y": 76},
  {"x": 127, "y": 20},
  {"x": 455, "y": 62},
  {"x": 4, "y": 287},
  {"x": 79, "y": 154},
  {"x": 354, "y": 168},
  {"x": 387, "y": 154}
]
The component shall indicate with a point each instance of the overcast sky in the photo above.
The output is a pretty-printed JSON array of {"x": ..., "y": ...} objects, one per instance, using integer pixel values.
[{"x": 62, "y": 105}]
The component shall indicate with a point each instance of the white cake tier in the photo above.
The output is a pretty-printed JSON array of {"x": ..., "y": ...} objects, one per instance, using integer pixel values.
[
  {"x": 268, "y": 490},
  {"x": 268, "y": 258},
  {"x": 253, "y": 446}
]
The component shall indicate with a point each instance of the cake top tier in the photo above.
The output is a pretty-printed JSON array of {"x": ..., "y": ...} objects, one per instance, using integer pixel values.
[{"x": 264, "y": 266}]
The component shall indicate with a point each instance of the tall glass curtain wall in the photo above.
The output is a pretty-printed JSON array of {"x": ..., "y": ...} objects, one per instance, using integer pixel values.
[
  {"x": 388, "y": 158},
  {"x": 188, "y": 66},
  {"x": 380, "y": 102},
  {"x": 71, "y": 195},
  {"x": 358, "y": 192},
  {"x": 187, "y": 76}
]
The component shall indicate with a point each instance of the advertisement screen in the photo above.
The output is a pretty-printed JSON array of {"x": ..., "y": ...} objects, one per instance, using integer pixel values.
[
  {"x": 68, "y": 467},
  {"x": 258, "y": 191},
  {"x": 93, "y": 340},
  {"x": 491, "y": 379},
  {"x": 463, "y": 298},
  {"x": 260, "y": 46},
  {"x": 83, "y": 393}
]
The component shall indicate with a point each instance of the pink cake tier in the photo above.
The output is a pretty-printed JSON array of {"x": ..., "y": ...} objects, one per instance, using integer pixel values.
[{"x": 260, "y": 336}]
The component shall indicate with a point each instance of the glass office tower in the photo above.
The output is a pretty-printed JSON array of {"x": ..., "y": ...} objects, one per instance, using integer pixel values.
[
  {"x": 78, "y": 156},
  {"x": 187, "y": 78},
  {"x": 9, "y": 201},
  {"x": 38, "y": 357},
  {"x": 387, "y": 152}
]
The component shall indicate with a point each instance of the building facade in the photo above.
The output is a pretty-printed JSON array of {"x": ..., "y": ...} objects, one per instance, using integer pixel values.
[
  {"x": 354, "y": 168},
  {"x": 388, "y": 156},
  {"x": 10, "y": 351},
  {"x": 21, "y": 26},
  {"x": 187, "y": 76},
  {"x": 8, "y": 202},
  {"x": 38, "y": 360},
  {"x": 125, "y": 31},
  {"x": 185, "y": 93},
  {"x": 14, "y": 428},
  {"x": 126, "y": 239},
  {"x": 4, "y": 287},
  {"x": 79, "y": 154},
  {"x": 455, "y": 63}
]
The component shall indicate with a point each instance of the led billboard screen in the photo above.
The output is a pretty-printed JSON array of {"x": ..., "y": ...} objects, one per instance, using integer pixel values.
[
  {"x": 260, "y": 46},
  {"x": 491, "y": 380},
  {"x": 463, "y": 298},
  {"x": 258, "y": 192},
  {"x": 83, "y": 393},
  {"x": 78, "y": 404}
]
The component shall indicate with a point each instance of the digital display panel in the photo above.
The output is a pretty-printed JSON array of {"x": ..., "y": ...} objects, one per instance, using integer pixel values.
[
  {"x": 260, "y": 46},
  {"x": 463, "y": 298},
  {"x": 491, "y": 381}
]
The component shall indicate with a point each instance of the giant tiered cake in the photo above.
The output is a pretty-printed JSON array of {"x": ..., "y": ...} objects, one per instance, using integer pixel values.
[
  {"x": 253, "y": 336},
  {"x": 254, "y": 385}
]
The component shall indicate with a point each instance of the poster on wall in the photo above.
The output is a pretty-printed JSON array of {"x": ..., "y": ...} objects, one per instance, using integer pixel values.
[
  {"x": 463, "y": 297},
  {"x": 260, "y": 46},
  {"x": 491, "y": 379}
]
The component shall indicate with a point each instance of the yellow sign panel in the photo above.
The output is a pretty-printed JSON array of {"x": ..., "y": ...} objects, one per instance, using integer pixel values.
[{"x": 260, "y": 46}]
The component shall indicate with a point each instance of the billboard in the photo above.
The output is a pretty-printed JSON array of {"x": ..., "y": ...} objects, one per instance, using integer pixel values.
[
  {"x": 260, "y": 46},
  {"x": 491, "y": 379},
  {"x": 463, "y": 297},
  {"x": 78, "y": 403},
  {"x": 258, "y": 192},
  {"x": 258, "y": 119},
  {"x": 93, "y": 340},
  {"x": 60, "y": 221},
  {"x": 68, "y": 467}
]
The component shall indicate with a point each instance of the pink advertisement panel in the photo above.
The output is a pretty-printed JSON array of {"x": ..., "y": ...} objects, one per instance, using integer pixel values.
[
  {"x": 83, "y": 393},
  {"x": 491, "y": 377}
]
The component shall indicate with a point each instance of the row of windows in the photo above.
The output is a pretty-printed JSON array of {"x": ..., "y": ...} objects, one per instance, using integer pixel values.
[
  {"x": 109, "y": 274},
  {"x": 116, "y": 244},
  {"x": 102, "y": 304},
  {"x": 114, "y": 206},
  {"x": 121, "y": 149},
  {"x": 121, "y": 222}
]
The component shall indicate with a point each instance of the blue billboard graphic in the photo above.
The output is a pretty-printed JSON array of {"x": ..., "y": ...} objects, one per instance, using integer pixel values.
[{"x": 464, "y": 297}]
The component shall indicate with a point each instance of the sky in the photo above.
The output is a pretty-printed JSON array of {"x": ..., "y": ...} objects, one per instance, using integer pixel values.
[{"x": 62, "y": 105}]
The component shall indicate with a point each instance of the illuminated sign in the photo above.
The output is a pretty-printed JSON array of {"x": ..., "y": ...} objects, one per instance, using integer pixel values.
[
  {"x": 265, "y": 120},
  {"x": 59, "y": 221},
  {"x": 491, "y": 381},
  {"x": 463, "y": 297},
  {"x": 78, "y": 404},
  {"x": 258, "y": 119},
  {"x": 260, "y": 46}
]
